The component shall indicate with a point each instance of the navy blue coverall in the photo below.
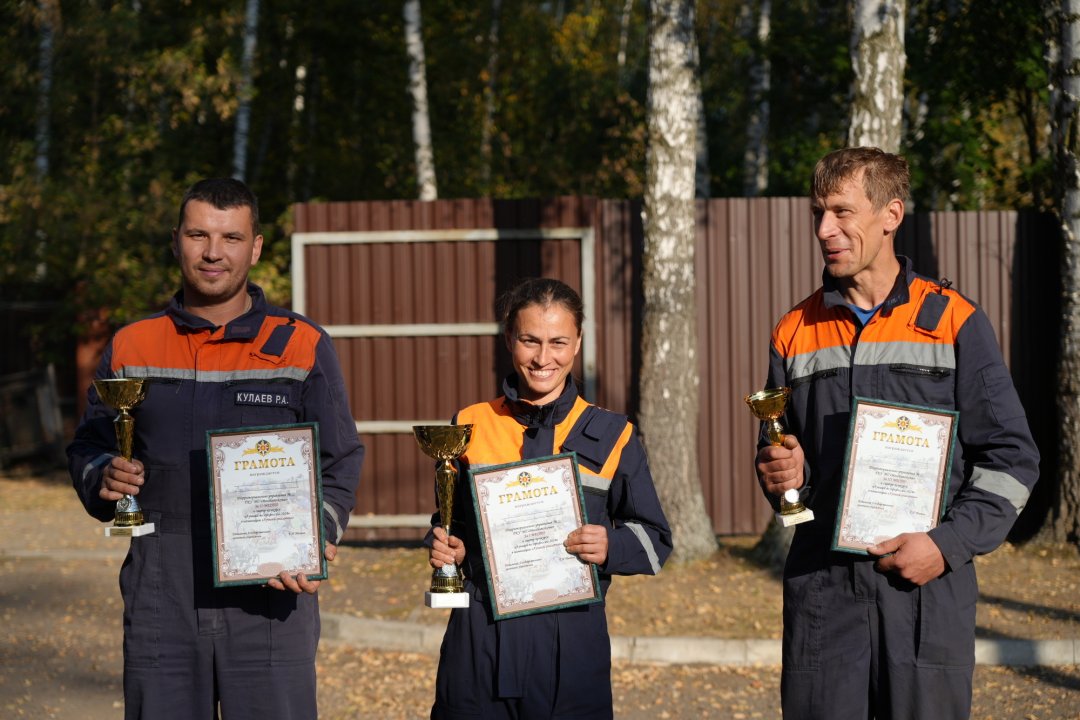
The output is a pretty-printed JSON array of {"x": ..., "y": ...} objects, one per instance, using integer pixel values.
[
  {"x": 555, "y": 664},
  {"x": 859, "y": 643},
  {"x": 189, "y": 646}
]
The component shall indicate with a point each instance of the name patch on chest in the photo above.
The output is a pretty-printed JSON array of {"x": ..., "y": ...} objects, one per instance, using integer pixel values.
[{"x": 262, "y": 399}]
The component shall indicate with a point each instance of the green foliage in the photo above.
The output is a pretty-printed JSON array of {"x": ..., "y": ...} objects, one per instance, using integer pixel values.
[
  {"x": 977, "y": 81},
  {"x": 143, "y": 102},
  {"x": 810, "y": 76}
]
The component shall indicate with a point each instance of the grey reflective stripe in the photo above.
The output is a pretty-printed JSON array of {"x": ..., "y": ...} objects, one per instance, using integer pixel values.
[
  {"x": 215, "y": 376},
  {"x": 338, "y": 530},
  {"x": 806, "y": 364},
  {"x": 291, "y": 373},
  {"x": 646, "y": 543},
  {"x": 937, "y": 355},
  {"x": 595, "y": 482},
  {"x": 1001, "y": 484},
  {"x": 156, "y": 372},
  {"x": 95, "y": 464}
]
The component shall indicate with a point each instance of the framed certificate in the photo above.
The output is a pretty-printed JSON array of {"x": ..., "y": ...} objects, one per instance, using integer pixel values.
[
  {"x": 896, "y": 472},
  {"x": 265, "y": 503},
  {"x": 524, "y": 511}
]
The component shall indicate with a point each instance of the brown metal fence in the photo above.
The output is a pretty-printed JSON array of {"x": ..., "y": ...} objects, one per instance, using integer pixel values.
[{"x": 407, "y": 288}]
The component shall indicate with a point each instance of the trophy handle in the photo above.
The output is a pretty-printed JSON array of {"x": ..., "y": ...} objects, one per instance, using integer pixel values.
[
  {"x": 124, "y": 425},
  {"x": 448, "y": 578},
  {"x": 445, "y": 481},
  {"x": 774, "y": 431}
]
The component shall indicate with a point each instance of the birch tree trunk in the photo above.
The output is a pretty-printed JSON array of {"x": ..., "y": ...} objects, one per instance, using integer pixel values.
[
  {"x": 48, "y": 11},
  {"x": 425, "y": 156},
  {"x": 877, "y": 56},
  {"x": 702, "y": 171},
  {"x": 487, "y": 128},
  {"x": 756, "y": 157},
  {"x": 1064, "y": 17},
  {"x": 296, "y": 126},
  {"x": 669, "y": 373},
  {"x": 243, "y": 110},
  {"x": 624, "y": 32}
]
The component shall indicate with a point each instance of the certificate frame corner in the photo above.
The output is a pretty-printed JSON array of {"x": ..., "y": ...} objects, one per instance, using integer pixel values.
[
  {"x": 475, "y": 477},
  {"x": 307, "y": 431},
  {"x": 942, "y": 474}
]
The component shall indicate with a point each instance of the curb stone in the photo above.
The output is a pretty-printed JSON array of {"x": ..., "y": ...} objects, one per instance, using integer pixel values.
[{"x": 426, "y": 639}]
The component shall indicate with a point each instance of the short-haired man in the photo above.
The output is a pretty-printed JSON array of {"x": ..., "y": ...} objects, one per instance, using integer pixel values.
[
  {"x": 219, "y": 356},
  {"x": 891, "y": 634}
]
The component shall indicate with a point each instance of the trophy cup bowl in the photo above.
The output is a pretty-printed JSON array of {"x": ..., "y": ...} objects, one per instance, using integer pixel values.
[
  {"x": 768, "y": 405},
  {"x": 124, "y": 394},
  {"x": 445, "y": 443}
]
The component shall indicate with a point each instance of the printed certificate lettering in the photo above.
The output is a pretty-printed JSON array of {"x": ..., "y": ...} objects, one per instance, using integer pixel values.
[
  {"x": 524, "y": 512},
  {"x": 896, "y": 473},
  {"x": 265, "y": 503}
]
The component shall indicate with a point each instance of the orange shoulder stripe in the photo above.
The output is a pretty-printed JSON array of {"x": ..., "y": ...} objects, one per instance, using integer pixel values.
[{"x": 153, "y": 346}]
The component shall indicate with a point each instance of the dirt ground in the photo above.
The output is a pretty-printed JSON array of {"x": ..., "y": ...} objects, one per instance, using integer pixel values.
[{"x": 60, "y": 637}]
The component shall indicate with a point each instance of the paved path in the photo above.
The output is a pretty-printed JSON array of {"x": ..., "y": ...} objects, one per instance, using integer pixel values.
[
  {"x": 414, "y": 637},
  {"x": 60, "y": 650},
  {"x": 426, "y": 638}
]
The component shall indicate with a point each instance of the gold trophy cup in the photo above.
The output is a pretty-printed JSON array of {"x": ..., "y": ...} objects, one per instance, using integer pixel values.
[
  {"x": 124, "y": 394},
  {"x": 768, "y": 405},
  {"x": 445, "y": 443}
]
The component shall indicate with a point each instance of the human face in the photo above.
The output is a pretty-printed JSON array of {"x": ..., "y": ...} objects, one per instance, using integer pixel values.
[
  {"x": 543, "y": 344},
  {"x": 216, "y": 249},
  {"x": 856, "y": 240}
]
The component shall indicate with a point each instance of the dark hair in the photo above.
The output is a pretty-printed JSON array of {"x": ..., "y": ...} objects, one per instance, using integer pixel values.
[
  {"x": 885, "y": 175},
  {"x": 543, "y": 292},
  {"x": 224, "y": 194}
]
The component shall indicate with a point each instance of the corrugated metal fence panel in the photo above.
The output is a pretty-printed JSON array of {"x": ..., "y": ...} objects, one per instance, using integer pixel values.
[
  {"x": 392, "y": 283},
  {"x": 756, "y": 258},
  {"x": 618, "y": 303}
]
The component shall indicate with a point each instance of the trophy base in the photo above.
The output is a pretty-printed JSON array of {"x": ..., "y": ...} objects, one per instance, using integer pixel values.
[
  {"x": 804, "y": 515},
  {"x": 441, "y": 600},
  {"x": 129, "y": 530}
]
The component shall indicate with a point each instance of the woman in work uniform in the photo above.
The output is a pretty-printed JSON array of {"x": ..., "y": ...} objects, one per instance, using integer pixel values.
[{"x": 555, "y": 664}]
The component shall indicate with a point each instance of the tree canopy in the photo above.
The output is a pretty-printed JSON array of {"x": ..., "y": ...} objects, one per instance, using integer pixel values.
[{"x": 143, "y": 96}]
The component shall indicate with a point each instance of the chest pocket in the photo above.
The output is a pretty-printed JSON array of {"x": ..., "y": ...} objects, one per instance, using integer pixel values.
[
  {"x": 927, "y": 382},
  {"x": 593, "y": 438},
  {"x": 921, "y": 385},
  {"x": 273, "y": 401}
]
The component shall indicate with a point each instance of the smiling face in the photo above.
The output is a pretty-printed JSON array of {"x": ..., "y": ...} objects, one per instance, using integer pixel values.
[
  {"x": 543, "y": 343},
  {"x": 856, "y": 239},
  {"x": 216, "y": 249}
]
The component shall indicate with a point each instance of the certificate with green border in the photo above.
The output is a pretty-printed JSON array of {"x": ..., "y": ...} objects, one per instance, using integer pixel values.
[
  {"x": 524, "y": 511},
  {"x": 896, "y": 472},
  {"x": 266, "y": 503}
]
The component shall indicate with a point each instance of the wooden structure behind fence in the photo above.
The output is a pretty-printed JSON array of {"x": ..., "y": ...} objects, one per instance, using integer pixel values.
[{"x": 408, "y": 290}]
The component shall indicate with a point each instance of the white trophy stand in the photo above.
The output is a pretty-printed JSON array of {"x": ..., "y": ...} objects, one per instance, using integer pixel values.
[{"x": 446, "y": 576}]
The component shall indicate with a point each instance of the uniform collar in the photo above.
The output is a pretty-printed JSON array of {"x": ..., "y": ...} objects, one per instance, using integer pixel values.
[
  {"x": 245, "y": 327},
  {"x": 899, "y": 294},
  {"x": 535, "y": 416}
]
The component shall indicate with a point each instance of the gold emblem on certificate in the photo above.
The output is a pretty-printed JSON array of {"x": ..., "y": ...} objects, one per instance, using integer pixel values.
[
  {"x": 266, "y": 503},
  {"x": 524, "y": 511},
  {"x": 896, "y": 472}
]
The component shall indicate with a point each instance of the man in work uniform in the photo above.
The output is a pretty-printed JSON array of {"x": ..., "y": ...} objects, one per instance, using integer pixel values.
[
  {"x": 891, "y": 634},
  {"x": 219, "y": 356}
]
